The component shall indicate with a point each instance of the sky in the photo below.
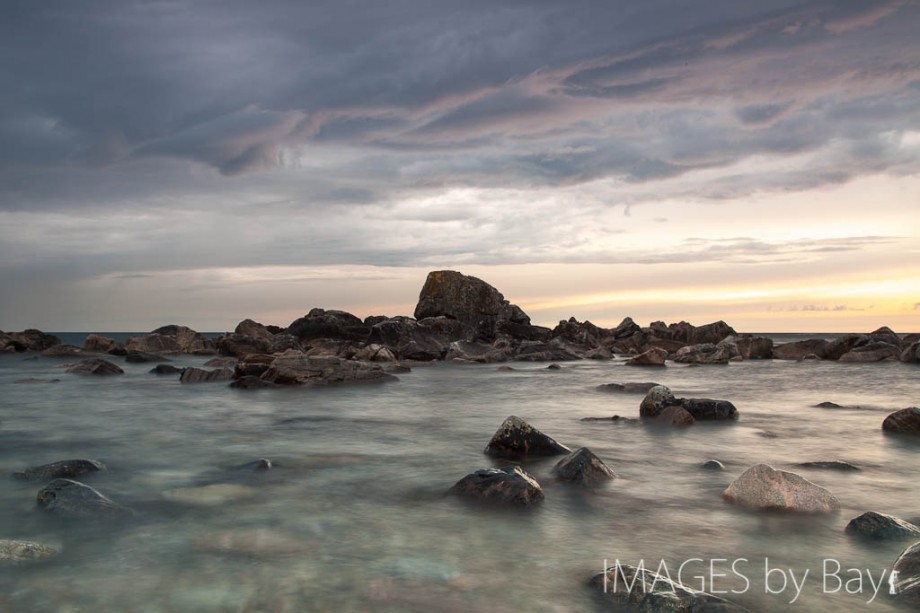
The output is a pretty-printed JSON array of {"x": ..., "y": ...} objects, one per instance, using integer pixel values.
[{"x": 201, "y": 162}]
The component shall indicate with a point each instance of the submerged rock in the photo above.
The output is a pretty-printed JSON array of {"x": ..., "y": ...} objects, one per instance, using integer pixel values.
[
  {"x": 629, "y": 388},
  {"x": 14, "y": 553},
  {"x": 584, "y": 468},
  {"x": 69, "y": 498},
  {"x": 640, "y": 589},
  {"x": 712, "y": 465},
  {"x": 250, "y": 382},
  {"x": 828, "y": 405},
  {"x": 95, "y": 366},
  {"x": 880, "y": 526},
  {"x": 198, "y": 375},
  {"x": 908, "y": 569},
  {"x": 296, "y": 368},
  {"x": 829, "y": 465},
  {"x": 166, "y": 369},
  {"x": 67, "y": 469},
  {"x": 764, "y": 487},
  {"x": 656, "y": 400},
  {"x": 905, "y": 421},
  {"x": 508, "y": 486},
  {"x": 515, "y": 438},
  {"x": 258, "y": 542},
  {"x": 142, "y": 357}
]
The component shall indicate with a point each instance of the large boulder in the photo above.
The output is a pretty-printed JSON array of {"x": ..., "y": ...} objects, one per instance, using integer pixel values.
[
  {"x": 653, "y": 357},
  {"x": 239, "y": 345},
  {"x": 332, "y": 324},
  {"x": 68, "y": 498},
  {"x": 508, "y": 486},
  {"x": 95, "y": 366},
  {"x": 296, "y": 368},
  {"x": 67, "y": 469},
  {"x": 705, "y": 353},
  {"x": 477, "y": 305},
  {"x": 713, "y": 333},
  {"x": 800, "y": 349},
  {"x": 584, "y": 468},
  {"x": 905, "y": 421},
  {"x": 27, "y": 340},
  {"x": 515, "y": 438},
  {"x": 764, "y": 487},
  {"x": 557, "y": 350},
  {"x": 639, "y": 589},
  {"x": 907, "y": 566},
  {"x": 844, "y": 344},
  {"x": 880, "y": 526},
  {"x": 62, "y": 351},
  {"x": 874, "y": 351},
  {"x": 656, "y": 400}
]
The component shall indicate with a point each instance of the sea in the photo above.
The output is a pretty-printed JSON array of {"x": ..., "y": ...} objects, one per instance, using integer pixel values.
[{"x": 354, "y": 516}]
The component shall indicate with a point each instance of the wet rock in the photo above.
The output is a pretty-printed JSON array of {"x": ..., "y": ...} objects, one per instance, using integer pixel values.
[
  {"x": 95, "y": 366},
  {"x": 295, "y": 368},
  {"x": 672, "y": 416},
  {"x": 905, "y": 421},
  {"x": 15, "y": 553},
  {"x": 911, "y": 355},
  {"x": 844, "y": 344},
  {"x": 627, "y": 388},
  {"x": 584, "y": 468},
  {"x": 250, "y": 328},
  {"x": 515, "y": 438},
  {"x": 712, "y": 465},
  {"x": 876, "y": 351},
  {"x": 198, "y": 375},
  {"x": 656, "y": 400},
  {"x": 707, "y": 409},
  {"x": 705, "y": 353},
  {"x": 652, "y": 357},
  {"x": 166, "y": 369},
  {"x": 260, "y": 465},
  {"x": 67, "y": 469},
  {"x": 27, "y": 340},
  {"x": 250, "y": 382},
  {"x": 475, "y": 352},
  {"x": 410, "y": 339},
  {"x": 508, "y": 486},
  {"x": 828, "y": 405},
  {"x": 829, "y": 465},
  {"x": 752, "y": 347},
  {"x": 36, "y": 380},
  {"x": 613, "y": 418},
  {"x": 640, "y": 589},
  {"x": 538, "y": 351},
  {"x": 799, "y": 350},
  {"x": 879, "y": 526},
  {"x": 908, "y": 569},
  {"x": 134, "y": 356},
  {"x": 375, "y": 353},
  {"x": 99, "y": 344},
  {"x": 764, "y": 487},
  {"x": 239, "y": 345},
  {"x": 68, "y": 498},
  {"x": 62, "y": 351},
  {"x": 554, "y": 367},
  {"x": 331, "y": 324}
]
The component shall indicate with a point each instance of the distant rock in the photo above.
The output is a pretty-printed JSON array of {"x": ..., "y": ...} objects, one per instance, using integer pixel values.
[
  {"x": 879, "y": 526},
  {"x": 905, "y": 421},
  {"x": 829, "y": 465},
  {"x": 239, "y": 345},
  {"x": 15, "y": 553},
  {"x": 625, "y": 328},
  {"x": 250, "y": 328},
  {"x": 199, "y": 375},
  {"x": 713, "y": 333},
  {"x": 508, "y": 486},
  {"x": 656, "y": 400},
  {"x": 226, "y": 362},
  {"x": 331, "y": 324},
  {"x": 707, "y": 409},
  {"x": 68, "y": 469},
  {"x": 295, "y": 368},
  {"x": 475, "y": 352},
  {"x": 99, "y": 344},
  {"x": 166, "y": 369},
  {"x": 628, "y": 388},
  {"x": 752, "y": 347},
  {"x": 652, "y": 357},
  {"x": 800, "y": 349},
  {"x": 68, "y": 498},
  {"x": 876, "y": 351},
  {"x": 95, "y": 366},
  {"x": 911, "y": 355},
  {"x": 705, "y": 353},
  {"x": 674, "y": 415},
  {"x": 515, "y": 438},
  {"x": 62, "y": 351},
  {"x": 584, "y": 468},
  {"x": 152, "y": 344},
  {"x": 908, "y": 569},
  {"x": 134, "y": 356},
  {"x": 172, "y": 339},
  {"x": 828, "y": 405},
  {"x": 712, "y": 465},
  {"x": 27, "y": 340},
  {"x": 639, "y": 589},
  {"x": 764, "y": 487}
]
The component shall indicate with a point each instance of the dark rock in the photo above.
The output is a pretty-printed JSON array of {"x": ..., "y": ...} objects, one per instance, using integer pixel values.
[
  {"x": 134, "y": 356},
  {"x": 95, "y": 366},
  {"x": 477, "y": 305},
  {"x": 614, "y": 418},
  {"x": 475, "y": 352},
  {"x": 586, "y": 334},
  {"x": 199, "y": 375},
  {"x": 15, "y": 553},
  {"x": 508, "y": 486},
  {"x": 238, "y": 345},
  {"x": 629, "y": 388},
  {"x": 537, "y": 351},
  {"x": 248, "y": 327},
  {"x": 99, "y": 344},
  {"x": 153, "y": 343},
  {"x": 875, "y": 351},
  {"x": 713, "y": 333},
  {"x": 908, "y": 569},
  {"x": 764, "y": 487},
  {"x": 515, "y": 438},
  {"x": 375, "y": 353},
  {"x": 187, "y": 340},
  {"x": 166, "y": 369},
  {"x": 397, "y": 369},
  {"x": 62, "y": 351},
  {"x": 250, "y": 382},
  {"x": 68, "y": 469},
  {"x": 295, "y": 368},
  {"x": 712, "y": 465},
  {"x": 27, "y": 340},
  {"x": 639, "y": 589},
  {"x": 281, "y": 342},
  {"x": 705, "y": 353},
  {"x": 653, "y": 357},
  {"x": 844, "y": 344},
  {"x": 800, "y": 349},
  {"x": 828, "y": 405},
  {"x": 335, "y": 325},
  {"x": 260, "y": 465},
  {"x": 584, "y": 468},
  {"x": 829, "y": 465},
  {"x": 410, "y": 339},
  {"x": 707, "y": 409},
  {"x": 35, "y": 380},
  {"x": 554, "y": 367},
  {"x": 69, "y": 498},
  {"x": 752, "y": 347},
  {"x": 905, "y": 421},
  {"x": 625, "y": 329},
  {"x": 879, "y": 526},
  {"x": 229, "y": 362},
  {"x": 656, "y": 400},
  {"x": 911, "y": 355},
  {"x": 672, "y": 416}
]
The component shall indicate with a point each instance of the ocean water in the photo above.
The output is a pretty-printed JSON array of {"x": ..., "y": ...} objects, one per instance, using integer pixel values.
[{"x": 353, "y": 516}]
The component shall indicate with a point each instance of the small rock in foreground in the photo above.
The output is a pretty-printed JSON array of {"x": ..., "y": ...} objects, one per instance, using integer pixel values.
[
  {"x": 66, "y": 469},
  {"x": 69, "y": 498},
  {"x": 880, "y": 526},
  {"x": 764, "y": 487},
  {"x": 584, "y": 468},
  {"x": 516, "y": 438},
  {"x": 905, "y": 421},
  {"x": 643, "y": 590},
  {"x": 508, "y": 486},
  {"x": 908, "y": 568}
]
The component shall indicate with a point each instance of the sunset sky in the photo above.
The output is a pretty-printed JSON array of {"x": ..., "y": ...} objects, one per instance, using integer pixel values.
[{"x": 201, "y": 162}]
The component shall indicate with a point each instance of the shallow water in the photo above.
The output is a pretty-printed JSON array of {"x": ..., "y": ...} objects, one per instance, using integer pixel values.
[{"x": 353, "y": 516}]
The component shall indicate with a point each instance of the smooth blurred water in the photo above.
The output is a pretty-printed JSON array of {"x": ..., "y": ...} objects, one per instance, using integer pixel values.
[{"x": 353, "y": 517}]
